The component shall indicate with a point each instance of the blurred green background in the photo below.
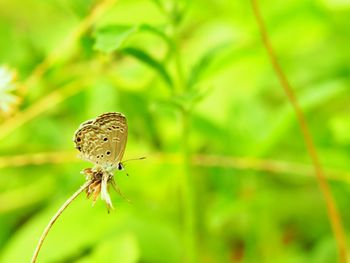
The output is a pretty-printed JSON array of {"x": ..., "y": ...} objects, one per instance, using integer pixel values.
[{"x": 227, "y": 177}]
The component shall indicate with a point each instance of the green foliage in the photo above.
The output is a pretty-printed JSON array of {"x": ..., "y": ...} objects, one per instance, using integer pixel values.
[
  {"x": 226, "y": 176},
  {"x": 111, "y": 38},
  {"x": 151, "y": 62}
]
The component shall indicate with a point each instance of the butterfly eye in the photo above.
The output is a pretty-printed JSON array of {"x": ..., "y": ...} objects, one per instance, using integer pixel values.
[{"x": 120, "y": 166}]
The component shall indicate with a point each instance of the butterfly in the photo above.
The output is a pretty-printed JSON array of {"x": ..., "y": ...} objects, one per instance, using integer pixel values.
[{"x": 102, "y": 141}]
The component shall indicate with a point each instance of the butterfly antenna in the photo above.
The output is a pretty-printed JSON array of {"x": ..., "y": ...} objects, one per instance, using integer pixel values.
[
  {"x": 121, "y": 164},
  {"x": 134, "y": 159}
]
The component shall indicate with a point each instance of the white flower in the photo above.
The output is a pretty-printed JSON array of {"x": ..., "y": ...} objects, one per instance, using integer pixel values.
[{"x": 7, "y": 85}]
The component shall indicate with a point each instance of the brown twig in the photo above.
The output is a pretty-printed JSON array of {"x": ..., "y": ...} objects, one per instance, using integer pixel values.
[
  {"x": 55, "y": 217},
  {"x": 235, "y": 162},
  {"x": 333, "y": 214},
  {"x": 266, "y": 165}
]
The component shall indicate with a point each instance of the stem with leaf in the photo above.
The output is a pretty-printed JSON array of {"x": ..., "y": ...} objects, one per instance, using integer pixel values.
[{"x": 187, "y": 185}]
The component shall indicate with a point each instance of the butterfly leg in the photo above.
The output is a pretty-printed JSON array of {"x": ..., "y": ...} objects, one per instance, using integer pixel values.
[{"x": 117, "y": 189}]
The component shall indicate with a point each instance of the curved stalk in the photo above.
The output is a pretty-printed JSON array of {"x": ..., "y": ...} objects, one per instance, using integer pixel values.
[
  {"x": 333, "y": 213},
  {"x": 55, "y": 217}
]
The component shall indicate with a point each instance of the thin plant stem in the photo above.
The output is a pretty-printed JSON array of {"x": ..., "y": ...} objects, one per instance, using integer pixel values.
[
  {"x": 333, "y": 213},
  {"x": 201, "y": 160},
  {"x": 188, "y": 188},
  {"x": 55, "y": 217},
  {"x": 269, "y": 166},
  {"x": 39, "y": 158}
]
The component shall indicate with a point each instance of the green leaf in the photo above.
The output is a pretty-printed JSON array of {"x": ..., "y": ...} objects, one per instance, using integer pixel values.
[
  {"x": 202, "y": 64},
  {"x": 81, "y": 8},
  {"x": 189, "y": 99},
  {"x": 151, "y": 62},
  {"x": 119, "y": 248},
  {"x": 158, "y": 32},
  {"x": 158, "y": 3},
  {"x": 111, "y": 38}
]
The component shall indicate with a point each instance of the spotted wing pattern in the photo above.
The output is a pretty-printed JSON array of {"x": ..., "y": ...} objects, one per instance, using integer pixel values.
[
  {"x": 89, "y": 141},
  {"x": 115, "y": 125},
  {"x": 102, "y": 140}
]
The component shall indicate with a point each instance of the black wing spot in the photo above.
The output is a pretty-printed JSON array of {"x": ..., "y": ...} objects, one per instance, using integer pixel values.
[
  {"x": 105, "y": 139},
  {"x": 78, "y": 139},
  {"x": 108, "y": 152}
]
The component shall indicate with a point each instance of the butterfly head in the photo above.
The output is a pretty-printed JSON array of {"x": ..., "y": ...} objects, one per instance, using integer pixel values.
[{"x": 120, "y": 167}]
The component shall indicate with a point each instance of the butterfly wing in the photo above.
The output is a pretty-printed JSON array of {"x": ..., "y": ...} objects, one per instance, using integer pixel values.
[
  {"x": 91, "y": 141},
  {"x": 114, "y": 124}
]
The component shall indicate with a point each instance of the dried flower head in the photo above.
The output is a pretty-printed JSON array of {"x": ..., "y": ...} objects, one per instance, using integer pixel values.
[{"x": 100, "y": 180}]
